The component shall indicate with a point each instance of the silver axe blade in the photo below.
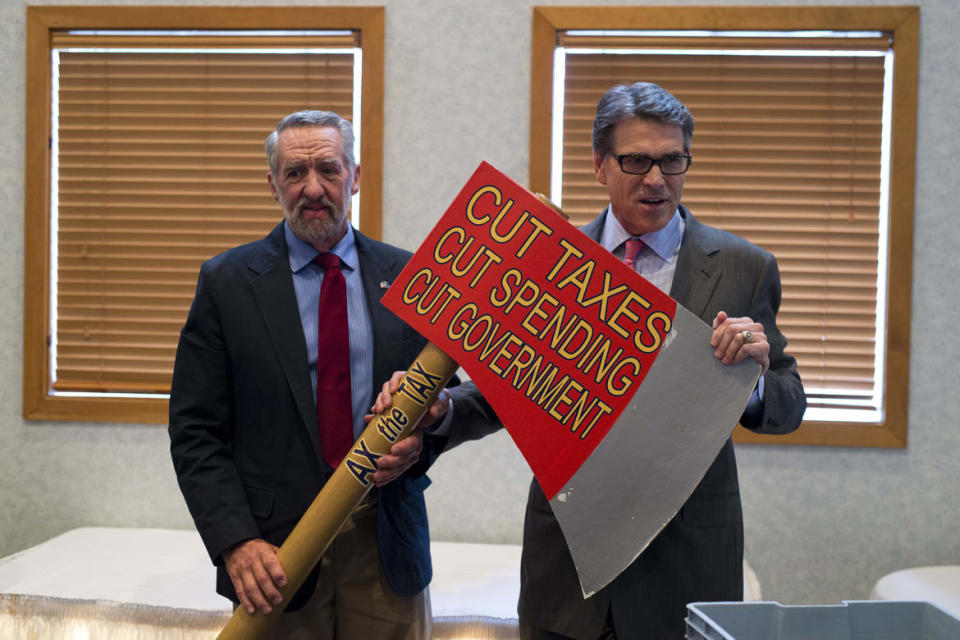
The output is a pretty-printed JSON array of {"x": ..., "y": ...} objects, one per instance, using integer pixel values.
[{"x": 655, "y": 454}]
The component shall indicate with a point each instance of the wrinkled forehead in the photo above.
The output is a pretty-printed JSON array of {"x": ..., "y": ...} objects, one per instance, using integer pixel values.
[
  {"x": 299, "y": 144},
  {"x": 649, "y": 137}
]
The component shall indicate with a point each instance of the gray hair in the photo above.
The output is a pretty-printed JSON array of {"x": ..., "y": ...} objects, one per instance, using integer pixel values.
[
  {"x": 644, "y": 100},
  {"x": 312, "y": 118}
]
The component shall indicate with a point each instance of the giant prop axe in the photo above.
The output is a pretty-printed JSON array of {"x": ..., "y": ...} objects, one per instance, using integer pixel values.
[{"x": 609, "y": 387}]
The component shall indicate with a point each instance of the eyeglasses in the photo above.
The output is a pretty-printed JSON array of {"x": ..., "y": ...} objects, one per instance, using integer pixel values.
[{"x": 638, "y": 165}]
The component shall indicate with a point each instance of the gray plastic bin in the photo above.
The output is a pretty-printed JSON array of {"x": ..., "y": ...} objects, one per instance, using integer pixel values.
[{"x": 866, "y": 620}]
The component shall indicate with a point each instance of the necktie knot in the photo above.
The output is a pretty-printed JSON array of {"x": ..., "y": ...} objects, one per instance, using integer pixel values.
[
  {"x": 633, "y": 246},
  {"x": 327, "y": 260}
]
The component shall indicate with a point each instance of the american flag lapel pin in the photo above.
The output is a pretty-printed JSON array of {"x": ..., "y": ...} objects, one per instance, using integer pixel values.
[{"x": 384, "y": 284}]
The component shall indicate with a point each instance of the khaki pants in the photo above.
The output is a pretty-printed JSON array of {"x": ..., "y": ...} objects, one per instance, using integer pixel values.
[{"x": 353, "y": 599}]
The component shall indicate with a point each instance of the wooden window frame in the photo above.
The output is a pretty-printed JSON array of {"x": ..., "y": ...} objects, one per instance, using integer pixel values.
[
  {"x": 903, "y": 22},
  {"x": 39, "y": 402}
]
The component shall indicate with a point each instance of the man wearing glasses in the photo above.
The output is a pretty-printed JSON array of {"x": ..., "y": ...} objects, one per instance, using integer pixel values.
[{"x": 641, "y": 152}]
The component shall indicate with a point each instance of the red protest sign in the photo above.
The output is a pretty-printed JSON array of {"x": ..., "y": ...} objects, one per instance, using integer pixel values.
[{"x": 556, "y": 332}]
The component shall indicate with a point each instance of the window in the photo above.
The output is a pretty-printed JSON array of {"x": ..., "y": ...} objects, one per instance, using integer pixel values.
[
  {"x": 804, "y": 145},
  {"x": 145, "y": 132}
]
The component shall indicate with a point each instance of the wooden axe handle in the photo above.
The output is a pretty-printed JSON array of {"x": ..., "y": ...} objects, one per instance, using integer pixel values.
[{"x": 348, "y": 485}]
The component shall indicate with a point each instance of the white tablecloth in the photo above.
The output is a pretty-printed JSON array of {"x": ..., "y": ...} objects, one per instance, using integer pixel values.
[
  {"x": 122, "y": 578},
  {"x": 106, "y": 582},
  {"x": 939, "y": 585},
  {"x": 170, "y": 568}
]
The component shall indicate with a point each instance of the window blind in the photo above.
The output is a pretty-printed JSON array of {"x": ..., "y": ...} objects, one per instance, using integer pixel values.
[
  {"x": 160, "y": 166},
  {"x": 786, "y": 153}
]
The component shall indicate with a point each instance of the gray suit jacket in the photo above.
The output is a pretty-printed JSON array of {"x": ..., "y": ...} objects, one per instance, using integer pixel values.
[
  {"x": 243, "y": 423},
  {"x": 698, "y": 556}
]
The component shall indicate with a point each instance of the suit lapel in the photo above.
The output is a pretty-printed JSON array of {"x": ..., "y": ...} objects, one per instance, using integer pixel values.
[
  {"x": 698, "y": 268},
  {"x": 377, "y": 273},
  {"x": 272, "y": 286},
  {"x": 594, "y": 228}
]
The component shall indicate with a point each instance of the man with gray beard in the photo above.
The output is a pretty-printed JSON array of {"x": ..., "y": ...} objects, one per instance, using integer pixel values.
[{"x": 281, "y": 351}]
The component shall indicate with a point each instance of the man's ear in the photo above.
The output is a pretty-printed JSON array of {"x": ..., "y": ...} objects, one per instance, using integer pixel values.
[
  {"x": 356, "y": 180},
  {"x": 598, "y": 168},
  {"x": 273, "y": 187}
]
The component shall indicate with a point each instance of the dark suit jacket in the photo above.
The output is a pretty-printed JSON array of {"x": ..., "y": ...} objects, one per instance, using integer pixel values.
[
  {"x": 698, "y": 556},
  {"x": 243, "y": 425}
]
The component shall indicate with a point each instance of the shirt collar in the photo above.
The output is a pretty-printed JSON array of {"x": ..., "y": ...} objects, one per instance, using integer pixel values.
[
  {"x": 302, "y": 253},
  {"x": 665, "y": 242}
]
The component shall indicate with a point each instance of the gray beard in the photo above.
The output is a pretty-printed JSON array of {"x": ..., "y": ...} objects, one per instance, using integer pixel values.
[{"x": 318, "y": 231}]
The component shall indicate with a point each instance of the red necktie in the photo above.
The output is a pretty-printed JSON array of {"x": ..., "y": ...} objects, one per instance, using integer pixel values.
[
  {"x": 632, "y": 251},
  {"x": 334, "y": 413}
]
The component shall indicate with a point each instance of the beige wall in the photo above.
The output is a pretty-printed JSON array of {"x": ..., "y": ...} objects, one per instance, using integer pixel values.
[{"x": 821, "y": 524}]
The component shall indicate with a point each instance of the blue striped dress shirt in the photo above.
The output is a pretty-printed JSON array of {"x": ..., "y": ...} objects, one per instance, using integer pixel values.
[{"x": 657, "y": 261}]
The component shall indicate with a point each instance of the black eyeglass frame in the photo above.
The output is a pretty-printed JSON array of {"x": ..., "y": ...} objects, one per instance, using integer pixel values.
[{"x": 653, "y": 161}]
